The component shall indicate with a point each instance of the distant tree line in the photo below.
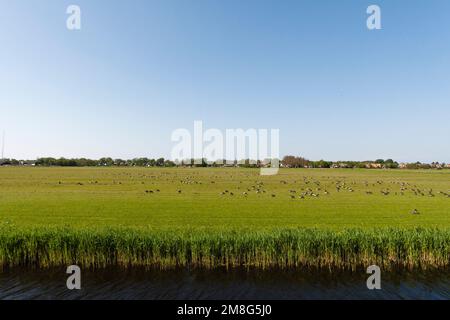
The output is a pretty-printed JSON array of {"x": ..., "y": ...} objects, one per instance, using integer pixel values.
[
  {"x": 299, "y": 162},
  {"x": 106, "y": 162},
  {"x": 287, "y": 162}
]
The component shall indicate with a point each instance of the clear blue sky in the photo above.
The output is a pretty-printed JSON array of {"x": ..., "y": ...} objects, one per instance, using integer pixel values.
[{"x": 140, "y": 69}]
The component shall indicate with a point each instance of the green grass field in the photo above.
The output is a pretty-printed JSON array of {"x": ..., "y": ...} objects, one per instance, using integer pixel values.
[
  {"x": 80, "y": 197},
  {"x": 191, "y": 211}
]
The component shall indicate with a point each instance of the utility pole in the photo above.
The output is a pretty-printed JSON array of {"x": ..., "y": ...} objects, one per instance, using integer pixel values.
[{"x": 3, "y": 145}]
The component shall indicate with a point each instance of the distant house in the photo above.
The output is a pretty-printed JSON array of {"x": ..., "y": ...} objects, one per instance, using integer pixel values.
[
  {"x": 437, "y": 165},
  {"x": 374, "y": 165},
  {"x": 228, "y": 165}
]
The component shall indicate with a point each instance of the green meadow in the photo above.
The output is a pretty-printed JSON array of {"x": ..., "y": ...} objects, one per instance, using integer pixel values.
[{"x": 211, "y": 217}]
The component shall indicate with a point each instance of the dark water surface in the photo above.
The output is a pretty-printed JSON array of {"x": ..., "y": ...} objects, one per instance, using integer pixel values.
[{"x": 238, "y": 284}]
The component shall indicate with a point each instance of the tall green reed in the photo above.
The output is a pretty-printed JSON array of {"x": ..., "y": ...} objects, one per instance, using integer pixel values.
[{"x": 264, "y": 249}]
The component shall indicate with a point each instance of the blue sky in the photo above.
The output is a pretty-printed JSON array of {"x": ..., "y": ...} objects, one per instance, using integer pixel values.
[{"x": 137, "y": 70}]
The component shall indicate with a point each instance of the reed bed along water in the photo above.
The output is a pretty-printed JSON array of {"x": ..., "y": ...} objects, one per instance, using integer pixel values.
[{"x": 277, "y": 248}]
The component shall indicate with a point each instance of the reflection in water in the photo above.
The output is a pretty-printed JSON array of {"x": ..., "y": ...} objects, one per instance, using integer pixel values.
[{"x": 237, "y": 284}]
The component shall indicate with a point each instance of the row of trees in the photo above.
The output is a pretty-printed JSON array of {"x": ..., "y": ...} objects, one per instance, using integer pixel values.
[
  {"x": 299, "y": 162},
  {"x": 287, "y": 161},
  {"x": 419, "y": 165},
  {"x": 245, "y": 163},
  {"x": 108, "y": 162}
]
